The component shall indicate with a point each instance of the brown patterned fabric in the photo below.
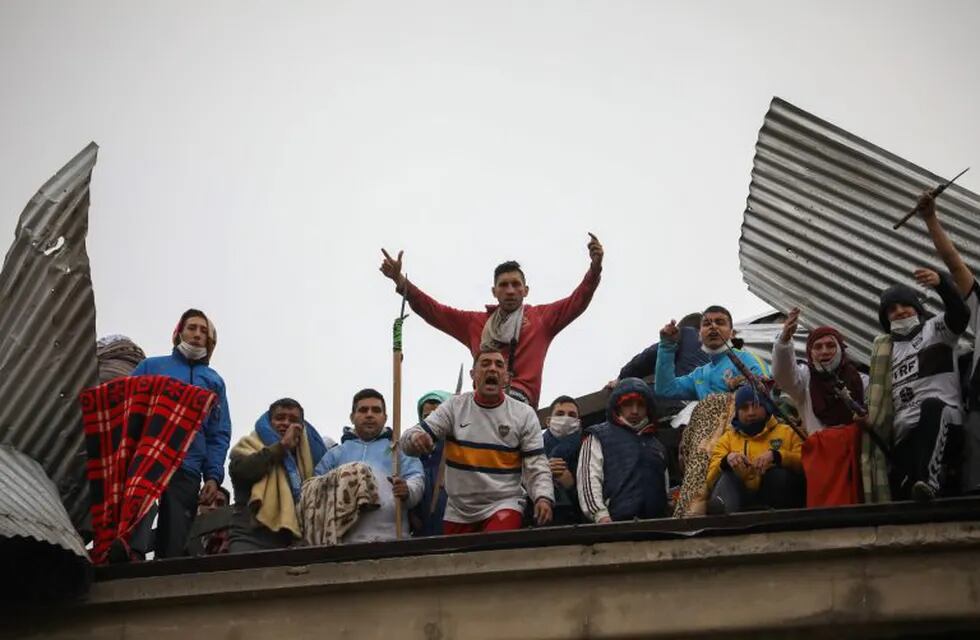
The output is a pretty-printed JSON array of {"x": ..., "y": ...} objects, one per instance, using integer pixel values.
[
  {"x": 708, "y": 421},
  {"x": 330, "y": 504}
]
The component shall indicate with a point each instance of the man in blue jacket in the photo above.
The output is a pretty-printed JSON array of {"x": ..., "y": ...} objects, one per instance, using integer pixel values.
[
  {"x": 370, "y": 442},
  {"x": 719, "y": 375},
  {"x": 194, "y": 340}
]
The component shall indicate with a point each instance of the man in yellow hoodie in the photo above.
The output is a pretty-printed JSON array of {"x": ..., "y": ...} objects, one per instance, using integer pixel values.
[{"x": 757, "y": 462}]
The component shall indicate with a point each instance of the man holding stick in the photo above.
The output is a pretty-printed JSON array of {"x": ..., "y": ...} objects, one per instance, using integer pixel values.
[
  {"x": 522, "y": 333},
  {"x": 968, "y": 288},
  {"x": 492, "y": 442}
]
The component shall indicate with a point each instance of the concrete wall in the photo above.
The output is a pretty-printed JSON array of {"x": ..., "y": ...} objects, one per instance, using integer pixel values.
[{"x": 854, "y": 582}]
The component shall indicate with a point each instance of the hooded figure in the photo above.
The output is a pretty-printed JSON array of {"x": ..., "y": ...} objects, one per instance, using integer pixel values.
[
  {"x": 831, "y": 453},
  {"x": 426, "y": 517},
  {"x": 209, "y": 447},
  {"x": 267, "y": 478},
  {"x": 757, "y": 461},
  {"x": 622, "y": 470},
  {"x": 812, "y": 386},
  {"x": 915, "y": 397}
]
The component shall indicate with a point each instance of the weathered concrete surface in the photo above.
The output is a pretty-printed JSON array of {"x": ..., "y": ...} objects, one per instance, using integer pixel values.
[{"x": 853, "y": 582}]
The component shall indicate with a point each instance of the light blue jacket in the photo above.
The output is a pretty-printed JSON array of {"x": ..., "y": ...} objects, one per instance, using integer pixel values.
[
  {"x": 206, "y": 456},
  {"x": 703, "y": 381},
  {"x": 377, "y": 454}
]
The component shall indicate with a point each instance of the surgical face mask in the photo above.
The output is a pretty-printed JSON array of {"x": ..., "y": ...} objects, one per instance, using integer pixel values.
[
  {"x": 715, "y": 351},
  {"x": 833, "y": 364},
  {"x": 904, "y": 326},
  {"x": 561, "y": 426},
  {"x": 639, "y": 426},
  {"x": 191, "y": 352}
]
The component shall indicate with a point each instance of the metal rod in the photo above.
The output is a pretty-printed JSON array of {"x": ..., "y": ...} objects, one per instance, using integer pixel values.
[{"x": 935, "y": 193}]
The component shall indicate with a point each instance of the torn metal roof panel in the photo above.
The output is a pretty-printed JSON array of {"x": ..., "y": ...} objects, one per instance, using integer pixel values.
[
  {"x": 817, "y": 231},
  {"x": 38, "y": 542},
  {"x": 47, "y": 330}
]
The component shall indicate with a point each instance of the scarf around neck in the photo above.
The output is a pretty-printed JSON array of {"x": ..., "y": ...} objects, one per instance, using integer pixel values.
[{"x": 502, "y": 328}]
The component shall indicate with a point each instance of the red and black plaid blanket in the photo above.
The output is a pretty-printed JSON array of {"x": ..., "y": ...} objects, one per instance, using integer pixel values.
[{"x": 137, "y": 433}]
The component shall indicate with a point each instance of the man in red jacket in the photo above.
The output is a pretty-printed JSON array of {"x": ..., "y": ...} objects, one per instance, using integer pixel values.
[{"x": 521, "y": 332}]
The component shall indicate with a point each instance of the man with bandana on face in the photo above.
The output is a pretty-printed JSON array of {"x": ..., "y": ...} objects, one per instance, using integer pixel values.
[
  {"x": 493, "y": 442},
  {"x": 831, "y": 453},
  {"x": 756, "y": 462},
  {"x": 194, "y": 340},
  {"x": 925, "y": 382},
  {"x": 562, "y": 440},
  {"x": 622, "y": 468}
]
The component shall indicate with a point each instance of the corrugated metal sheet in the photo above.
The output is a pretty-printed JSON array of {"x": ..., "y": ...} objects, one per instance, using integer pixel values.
[
  {"x": 47, "y": 330},
  {"x": 817, "y": 228},
  {"x": 30, "y": 506}
]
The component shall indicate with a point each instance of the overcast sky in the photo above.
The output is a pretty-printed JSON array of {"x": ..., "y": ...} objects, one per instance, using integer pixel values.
[{"x": 255, "y": 157}]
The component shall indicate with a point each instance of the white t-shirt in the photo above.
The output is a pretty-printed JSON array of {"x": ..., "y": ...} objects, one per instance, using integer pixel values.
[{"x": 924, "y": 367}]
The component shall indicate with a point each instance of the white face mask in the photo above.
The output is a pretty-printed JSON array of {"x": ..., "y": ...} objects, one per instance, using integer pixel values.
[
  {"x": 561, "y": 426},
  {"x": 833, "y": 364},
  {"x": 904, "y": 326},
  {"x": 639, "y": 426},
  {"x": 715, "y": 351},
  {"x": 191, "y": 352}
]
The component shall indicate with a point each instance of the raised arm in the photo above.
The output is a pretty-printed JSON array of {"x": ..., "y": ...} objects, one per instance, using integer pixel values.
[
  {"x": 957, "y": 314},
  {"x": 666, "y": 384},
  {"x": 560, "y": 314},
  {"x": 962, "y": 275},
  {"x": 784, "y": 369},
  {"x": 446, "y": 319}
]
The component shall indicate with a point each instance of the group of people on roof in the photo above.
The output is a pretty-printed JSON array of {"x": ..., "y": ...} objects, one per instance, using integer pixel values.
[{"x": 813, "y": 432}]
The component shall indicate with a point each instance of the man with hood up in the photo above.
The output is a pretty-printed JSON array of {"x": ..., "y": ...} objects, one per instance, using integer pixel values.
[
  {"x": 756, "y": 462},
  {"x": 426, "y": 517},
  {"x": 969, "y": 289},
  {"x": 622, "y": 470},
  {"x": 915, "y": 393},
  {"x": 194, "y": 340},
  {"x": 831, "y": 453},
  {"x": 370, "y": 442},
  {"x": 267, "y": 469}
]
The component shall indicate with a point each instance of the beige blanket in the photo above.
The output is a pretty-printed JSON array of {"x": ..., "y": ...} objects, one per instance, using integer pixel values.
[{"x": 331, "y": 503}]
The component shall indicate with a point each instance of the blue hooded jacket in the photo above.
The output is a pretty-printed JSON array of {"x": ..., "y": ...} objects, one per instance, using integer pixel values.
[
  {"x": 431, "y": 519},
  {"x": 208, "y": 450},
  {"x": 376, "y": 453},
  {"x": 634, "y": 464},
  {"x": 269, "y": 437},
  {"x": 706, "y": 379}
]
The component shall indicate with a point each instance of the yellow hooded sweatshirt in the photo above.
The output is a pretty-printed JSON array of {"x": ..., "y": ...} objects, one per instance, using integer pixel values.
[{"x": 775, "y": 436}]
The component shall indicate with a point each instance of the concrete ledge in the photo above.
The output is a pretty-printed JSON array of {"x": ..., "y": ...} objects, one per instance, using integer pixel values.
[{"x": 854, "y": 581}]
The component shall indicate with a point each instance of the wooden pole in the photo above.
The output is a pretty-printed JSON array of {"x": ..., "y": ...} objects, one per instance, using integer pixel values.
[
  {"x": 396, "y": 433},
  {"x": 396, "y": 398}
]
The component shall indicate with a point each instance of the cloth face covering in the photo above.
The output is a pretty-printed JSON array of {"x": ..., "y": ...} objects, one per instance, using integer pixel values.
[
  {"x": 191, "y": 352},
  {"x": 904, "y": 326},
  {"x": 561, "y": 426}
]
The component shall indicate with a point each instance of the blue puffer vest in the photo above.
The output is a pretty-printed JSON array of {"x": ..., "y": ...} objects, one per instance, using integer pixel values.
[{"x": 633, "y": 464}]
